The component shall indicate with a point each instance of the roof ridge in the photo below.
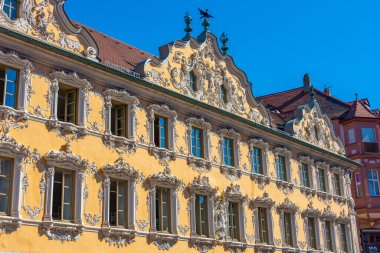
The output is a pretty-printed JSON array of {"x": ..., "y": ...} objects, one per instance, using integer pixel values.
[{"x": 278, "y": 93}]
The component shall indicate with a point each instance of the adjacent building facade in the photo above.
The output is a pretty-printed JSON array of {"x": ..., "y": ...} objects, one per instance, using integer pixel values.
[
  {"x": 358, "y": 127},
  {"x": 106, "y": 148}
]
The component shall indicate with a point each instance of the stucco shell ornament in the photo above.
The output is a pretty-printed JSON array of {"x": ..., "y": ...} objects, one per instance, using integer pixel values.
[
  {"x": 312, "y": 126},
  {"x": 202, "y": 59}
]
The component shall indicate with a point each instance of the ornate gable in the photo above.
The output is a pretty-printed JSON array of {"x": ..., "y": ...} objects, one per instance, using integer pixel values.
[
  {"x": 312, "y": 126},
  {"x": 197, "y": 68},
  {"x": 47, "y": 20}
]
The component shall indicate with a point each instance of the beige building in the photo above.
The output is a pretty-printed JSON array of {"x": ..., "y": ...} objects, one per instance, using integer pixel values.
[{"x": 106, "y": 148}]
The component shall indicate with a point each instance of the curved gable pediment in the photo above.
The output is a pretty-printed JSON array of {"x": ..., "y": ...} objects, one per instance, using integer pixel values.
[
  {"x": 201, "y": 62},
  {"x": 47, "y": 20},
  {"x": 312, "y": 126}
]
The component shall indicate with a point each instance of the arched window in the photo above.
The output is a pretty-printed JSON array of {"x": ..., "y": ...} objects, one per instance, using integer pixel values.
[
  {"x": 223, "y": 94},
  {"x": 11, "y": 8},
  {"x": 192, "y": 82}
]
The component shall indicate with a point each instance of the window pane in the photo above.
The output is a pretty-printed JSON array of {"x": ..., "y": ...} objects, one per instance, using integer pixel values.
[
  {"x": 337, "y": 189},
  {"x": 373, "y": 183},
  {"x": 228, "y": 158},
  {"x": 122, "y": 203},
  {"x": 305, "y": 175},
  {"x": 281, "y": 168},
  {"x": 57, "y": 195},
  {"x": 321, "y": 180},
  {"x": 10, "y": 98},
  {"x": 5, "y": 184},
  {"x": 312, "y": 238},
  {"x": 358, "y": 185},
  {"x": 368, "y": 135},
  {"x": 328, "y": 235},
  {"x": 351, "y": 136},
  {"x": 113, "y": 203},
  {"x": 288, "y": 229},
  {"x": 256, "y": 160},
  {"x": 68, "y": 196}
]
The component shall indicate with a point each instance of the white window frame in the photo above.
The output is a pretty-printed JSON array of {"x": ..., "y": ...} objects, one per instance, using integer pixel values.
[
  {"x": 309, "y": 162},
  {"x": 264, "y": 146},
  {"x": 291, "y": 208},
  {"x": 374, "y": 134},
  {"x": 326, "y": 167},
  {"x": 198, "y": 163},
  {"x": 201, "y": 186},
  {"x": 311, "y": 212},
  {"x": 268, "y": 203},
  {"x": 351, "y": 138},
  {"x": 328, "y": 215},
  {"x": 24, "y": 85},
  {"x": 163, "y": 111},
  {"x": 378, "y": 182},
  {"x": 82, "y": 103},
  {"x": 235, "y": 137},
  {"x": 281, "y": 151}
]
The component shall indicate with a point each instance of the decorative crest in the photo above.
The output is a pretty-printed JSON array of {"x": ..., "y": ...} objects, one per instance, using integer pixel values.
[
  {"x": 224, "y": 40},
  {"x": 188, "y": 29}
]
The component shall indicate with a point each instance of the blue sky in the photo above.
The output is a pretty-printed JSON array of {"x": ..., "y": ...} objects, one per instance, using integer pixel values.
[{"x": 274, "y": 41}]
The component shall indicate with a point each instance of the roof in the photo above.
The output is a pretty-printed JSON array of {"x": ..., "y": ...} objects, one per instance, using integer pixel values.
[
  {"x": 282, "y": 106},
  {"x": 115, "y": 51}
]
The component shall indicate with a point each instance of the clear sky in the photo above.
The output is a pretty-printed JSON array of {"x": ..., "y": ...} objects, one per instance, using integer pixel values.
[{"x": 274, "y": 41}]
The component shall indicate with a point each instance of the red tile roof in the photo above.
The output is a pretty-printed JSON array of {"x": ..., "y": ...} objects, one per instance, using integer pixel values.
[
  {"x": 358, "y": 109},
  {"x": 114, "y": 51}
]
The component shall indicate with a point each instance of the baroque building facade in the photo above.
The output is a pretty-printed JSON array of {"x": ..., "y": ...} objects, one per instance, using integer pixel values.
[
  {"x": 106, "y": 148},
  {"x": 358, "y": 127}
]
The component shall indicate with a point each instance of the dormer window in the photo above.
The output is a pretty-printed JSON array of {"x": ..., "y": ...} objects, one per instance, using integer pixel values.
[
  {"x": 223, "y": 94},
  {"x": 192, "y": 82},
  {"x": 10, "y": 8}
]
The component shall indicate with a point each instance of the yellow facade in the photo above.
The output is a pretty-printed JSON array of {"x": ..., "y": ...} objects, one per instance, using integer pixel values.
[{"x": 38, "y": 143}]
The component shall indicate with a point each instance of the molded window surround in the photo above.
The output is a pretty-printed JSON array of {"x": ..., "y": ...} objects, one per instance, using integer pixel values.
[
  {"x": 291, "y": 209},
  {"x": 310, "y": 214},
  {"x": 283, "y": 152},
  {"x": 268, "y": 204},
  {"x": 235, "y": 139},
  {"x": 307, "y": 162}
]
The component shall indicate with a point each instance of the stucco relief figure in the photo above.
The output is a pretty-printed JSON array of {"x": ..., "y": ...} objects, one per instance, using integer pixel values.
[{"x": 220, "y": 219}]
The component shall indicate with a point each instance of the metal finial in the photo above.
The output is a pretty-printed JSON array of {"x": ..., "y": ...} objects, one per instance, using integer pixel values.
[
  {"x": 205, "y": 15},
  {"x": 356, "y": 96},
  {"x": 224, "y": 40},
  {"x": 188, "y": 19}
]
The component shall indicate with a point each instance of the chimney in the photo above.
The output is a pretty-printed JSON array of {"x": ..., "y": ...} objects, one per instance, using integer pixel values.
[
  {"x": 327, "y": 91},
  {"x": 306, "y": 82}
]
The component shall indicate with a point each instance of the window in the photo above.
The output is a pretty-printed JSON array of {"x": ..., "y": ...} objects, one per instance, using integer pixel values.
[
  {"x": 351, "y": 136},
  {"x": 373, "y": 183},
  {"x": 118, "y": 203},
  {"x": 321, "y": 180},
  {"x": 63, "y": 195},
  {"x": 5, "y": 185},
  {"x": 344, "y": 246},
  {"x": 328, "y": 236},
  {"x": 305, "y": 180},
  {"x": 228, "y": 152},
  {"x": 233, "y": 220},
  {"x": 223, "y": 94},
  {"x": 197, "y": 142},
  {"x": 11, "y": 8},
  {"x": 163, "y": 209},
  {"x": 368, "y": 135},
  {"x": 8, "y": 86},
  {"x": 192, "y": 82},
  {"x": 257, "y": 165},
  {"x": 288, "y": 229},
  {"x": 358, "y": 181},
  {"x": 312, "y": 234},
  {"x": 67, "y": 104},
  {"x": 161, "y": 132},
  {"x": 263, "y": 225},
  {"x": 336, "y": 182},
  {"x": 281, "y": 168},
  {"x": 201, "y": 213},
  {"x": 119, "y": 121}
]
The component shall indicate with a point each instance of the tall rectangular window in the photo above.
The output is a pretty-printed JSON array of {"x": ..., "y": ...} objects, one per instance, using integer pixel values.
[
  {"x": 328, "y": 236},
  {"x": 351, "y": 136},
  {"x": 8, "y": 86},
  {"x": 358, "y": 184},
  {"x": 305, "y": 180},
  {"x": 337, "y": 187},
  {"x": 263, "y": 225},
  {"x": 118, "y": 203},
  {"x": 288, "y": 229},
  {"x": 344, "y": 246},
  {"x": 373, "y": 183},
  {"x": 233, "y": 220},
  {"x": 228, "y": 152},
  {"x": 321, "y": 180},
  {"x": 161, "y": 132},
  {"x": 257, "y": 164},
  {"x": 67, "y": 104},
  {"x": 197, "y": 142},
  {"x": 163, "y": 209},
  {"x": 5, "y": 185},
  {"x": 312, "y": 234},
  {"x": 281, "y": 168},
  {"x": 63, "y": 195},
  {"x": 201, "y": 214},
  {"x": 119, "y": 120},
  {"x": 368, "y": 135}
]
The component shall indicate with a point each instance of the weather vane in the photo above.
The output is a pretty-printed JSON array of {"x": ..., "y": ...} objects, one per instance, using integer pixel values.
[{"x": 205, "y": 15}]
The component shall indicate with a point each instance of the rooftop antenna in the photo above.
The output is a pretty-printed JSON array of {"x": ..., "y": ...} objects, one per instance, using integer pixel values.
[{"x": 356, "y": 96}]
